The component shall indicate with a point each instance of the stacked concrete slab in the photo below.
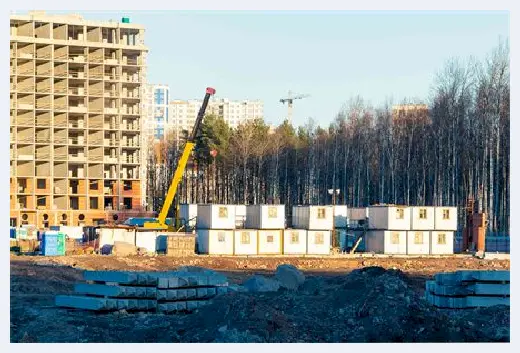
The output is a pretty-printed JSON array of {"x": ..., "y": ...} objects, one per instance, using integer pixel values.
[
  {"x": 469, "y": 289},
  {"x": 144, "y": 291}
]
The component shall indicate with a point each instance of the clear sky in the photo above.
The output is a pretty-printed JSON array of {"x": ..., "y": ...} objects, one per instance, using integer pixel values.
[{"x": 331, "y": 55}]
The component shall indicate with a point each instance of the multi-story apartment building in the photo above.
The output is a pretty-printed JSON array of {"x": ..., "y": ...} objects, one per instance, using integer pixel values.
[
  {"x": 156, "y": 106},
  {"x": 182, "y": 114},
  {"x": 75, "y": 118}
]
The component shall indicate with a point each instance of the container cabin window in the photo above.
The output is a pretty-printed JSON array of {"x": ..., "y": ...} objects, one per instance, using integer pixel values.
[
  {"x": 245, "y": 238},
  {"x": 418, "y": 238},
  {"x": 321, "y": 213},
  {"x": 395, "y": 238},
  {"x": 222, "y": 212},
  {"x": 295, "y": 238},
  {"x": 399, "y": 213},
  {"x": 441, "y": 239},
  {"x": 445, "y": 214},
  {"x": 318, "y": 239},
  {"x": 270, "y": 239},
  {"x": 422, "y": 213},
  {"x": 221, "y": 237},
  {"x": 272, "y": 212}
]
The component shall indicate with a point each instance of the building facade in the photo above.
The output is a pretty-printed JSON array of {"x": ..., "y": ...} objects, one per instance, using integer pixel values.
[
  {"x": 75, "y": 119},
  {"x": 156, "y": 110},
  {"x": 184, "y": 112}
]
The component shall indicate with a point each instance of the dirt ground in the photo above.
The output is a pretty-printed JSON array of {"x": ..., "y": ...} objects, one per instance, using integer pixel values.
[{"x": 344, "y": 299}]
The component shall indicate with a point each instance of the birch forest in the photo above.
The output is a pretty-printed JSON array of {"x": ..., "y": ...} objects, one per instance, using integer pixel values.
[{"x": 454, "y": 148}]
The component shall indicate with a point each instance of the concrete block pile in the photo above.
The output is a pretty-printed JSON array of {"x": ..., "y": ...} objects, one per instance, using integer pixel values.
[
  {"x": 166, "y": 292},
  {"x": 469, "y": 289}
]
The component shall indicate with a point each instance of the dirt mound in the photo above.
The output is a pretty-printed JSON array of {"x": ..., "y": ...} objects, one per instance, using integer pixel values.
[{"x": 368, "y": 305}]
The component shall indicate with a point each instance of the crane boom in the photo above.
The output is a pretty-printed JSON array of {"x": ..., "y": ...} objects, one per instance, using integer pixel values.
[
  {"x": 179, "y": 171},
  {"x": 289, "y": 100}
]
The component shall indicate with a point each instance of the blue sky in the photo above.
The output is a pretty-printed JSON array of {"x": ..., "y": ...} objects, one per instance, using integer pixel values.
[{"x": 331, "y": 55}]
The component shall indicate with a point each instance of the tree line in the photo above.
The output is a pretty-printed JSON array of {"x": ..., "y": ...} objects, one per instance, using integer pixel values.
[{"x": 441, "y": 151}]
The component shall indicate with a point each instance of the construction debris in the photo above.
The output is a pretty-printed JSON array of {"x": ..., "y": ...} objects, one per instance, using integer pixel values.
[
  {"x": 469, "y": 289},
  {"x": 144, "y": 291}
]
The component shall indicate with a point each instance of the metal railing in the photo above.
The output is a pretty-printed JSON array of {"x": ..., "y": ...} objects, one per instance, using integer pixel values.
[
  {"x": 111, "y": 94},
  {"x": 76, "y": 125},
  {"x": 111, "y": 77}
]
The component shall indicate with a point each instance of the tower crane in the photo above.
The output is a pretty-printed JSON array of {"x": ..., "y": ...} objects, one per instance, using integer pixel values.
[{"x": 289, "y": 100}]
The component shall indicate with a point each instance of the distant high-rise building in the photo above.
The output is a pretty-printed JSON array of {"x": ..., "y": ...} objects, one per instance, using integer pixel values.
[
  {"x": 182, "y": 113},
  {"x": 156, "y": 110},
  {"x": 75, "y": 119},
  {"x": 407, "y": 113}
]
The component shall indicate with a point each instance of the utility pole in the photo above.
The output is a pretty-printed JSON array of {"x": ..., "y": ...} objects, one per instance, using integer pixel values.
[{"x": 289, "y": 100}]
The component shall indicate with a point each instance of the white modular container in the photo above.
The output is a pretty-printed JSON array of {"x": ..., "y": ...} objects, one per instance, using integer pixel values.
[
  {"x": 423, "y": 218},
  {"x": 294, "y": 241},
  {"x": 108, "y": 236},
  {"x": 265, "y": 216},
  {"x": 386, "y": 242},
  {"x": 441, "y": 242},
  {"x": 269, "y": 242},
  {"x": 246, "y": 242},
  {"x": 147, "y": 240},
  {"x": 72, "y": 232},
  {"x": 446, "y": 218},
  {"x": 313, "y": 217},
  {"x": 388, "y": 217},
  {"x": 188, "y": 212},
  {"x": 240, "y": 216},
  {"x": 418, "y": 242},
  {"x": 340, "y": 216},
  {"x": 215, "y": 241},
  {"x": 318, "y": 242},
  {"x": 216, "y": 216},
  {"x": 357, "y": 213}
]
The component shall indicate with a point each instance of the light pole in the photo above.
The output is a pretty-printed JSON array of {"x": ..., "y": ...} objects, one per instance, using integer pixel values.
[{"x": 333, "y": 192}]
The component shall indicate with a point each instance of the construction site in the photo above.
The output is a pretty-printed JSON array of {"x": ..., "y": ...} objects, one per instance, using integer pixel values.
[{"x": 101, "y": 239}]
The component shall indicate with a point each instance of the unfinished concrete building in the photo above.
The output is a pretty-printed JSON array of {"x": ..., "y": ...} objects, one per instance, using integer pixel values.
[{"x": 75, "y": 119}]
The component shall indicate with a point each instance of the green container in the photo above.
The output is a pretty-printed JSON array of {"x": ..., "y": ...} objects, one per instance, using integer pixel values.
[{"x": 125, "y": 20}]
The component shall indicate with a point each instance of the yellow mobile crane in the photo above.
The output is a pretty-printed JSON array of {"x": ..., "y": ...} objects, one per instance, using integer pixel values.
[{"x": 160, "y": 222}]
